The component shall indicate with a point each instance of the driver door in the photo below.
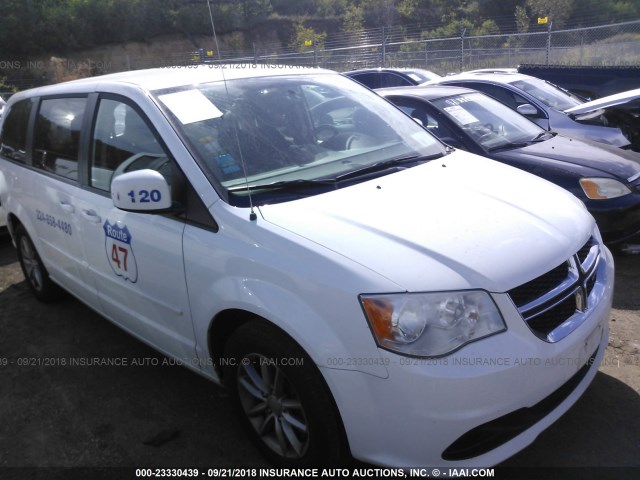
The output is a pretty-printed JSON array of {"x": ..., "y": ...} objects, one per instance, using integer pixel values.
[{"x": 136, "y": 259}]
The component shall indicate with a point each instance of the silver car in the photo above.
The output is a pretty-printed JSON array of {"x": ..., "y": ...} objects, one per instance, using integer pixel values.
[{"x": 554, "y": 108}]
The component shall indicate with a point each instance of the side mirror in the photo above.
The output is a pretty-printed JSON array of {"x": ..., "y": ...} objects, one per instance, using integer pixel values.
[
  {"x": 141, "y": 191},
  {"x": 527, "y": 110}
]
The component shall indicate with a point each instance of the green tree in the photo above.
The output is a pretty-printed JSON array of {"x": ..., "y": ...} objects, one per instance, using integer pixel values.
[
  {"x": 522, "y": 19},
  {"x": 306, "y": 39},
  {"x": 254, "y": 11},
  {"x": 558, "y": 11},
  {"x": 6, "y": 88},
  {"x": 353, "y": 19},
  {"x": 293, "y": 8},
  {"x": 331, "y": 8},
  {"x": 407, "y": 9},
  {"x": 380, "y": 13}
]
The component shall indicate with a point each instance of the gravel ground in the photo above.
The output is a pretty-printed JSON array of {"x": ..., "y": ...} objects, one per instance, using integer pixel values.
[{"x": 156, "y": 415}]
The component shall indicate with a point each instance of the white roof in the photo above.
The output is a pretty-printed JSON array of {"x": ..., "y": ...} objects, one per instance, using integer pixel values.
[
  {"x": 167, "y": 77},
  {"x": 504, "y": 75}
]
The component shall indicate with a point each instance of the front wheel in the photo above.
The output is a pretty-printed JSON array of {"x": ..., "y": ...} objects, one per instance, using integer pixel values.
[
  {"x": 281, "y": 398},
  {"x": 34, "y": 270}
]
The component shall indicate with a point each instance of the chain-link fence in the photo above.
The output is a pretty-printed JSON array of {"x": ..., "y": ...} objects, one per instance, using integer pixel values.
[{"x": 606, "y": 45}]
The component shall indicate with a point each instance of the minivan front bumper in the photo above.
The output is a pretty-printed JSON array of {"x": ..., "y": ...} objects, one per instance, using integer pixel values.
[{"x": 480, "y": 405}]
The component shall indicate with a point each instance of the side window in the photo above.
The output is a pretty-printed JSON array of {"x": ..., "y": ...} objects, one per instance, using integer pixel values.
[
  {"x": 56, "y": 141},
  {"x": 123, "y": 142},
  {"x": 14, "y": 131},
  {"x": 509, "y": 98},
  {"x": 392, "y": 80}
]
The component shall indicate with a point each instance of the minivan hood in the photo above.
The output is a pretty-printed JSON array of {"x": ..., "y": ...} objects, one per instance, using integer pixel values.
[
  {"x": 604, "y": 102},
  {"x": 459, "y": 222},
  {"x": 609, "y": 160}
]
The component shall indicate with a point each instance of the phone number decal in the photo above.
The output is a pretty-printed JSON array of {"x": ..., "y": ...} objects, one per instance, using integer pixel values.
[{"x": 54, "y": 222}]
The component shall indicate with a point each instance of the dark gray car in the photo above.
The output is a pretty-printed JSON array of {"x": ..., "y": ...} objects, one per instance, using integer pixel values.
[{"x": 553, "y": 108}]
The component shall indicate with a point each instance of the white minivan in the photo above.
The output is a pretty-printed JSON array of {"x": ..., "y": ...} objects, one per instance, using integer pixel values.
[{"x": 359, "y": 287}]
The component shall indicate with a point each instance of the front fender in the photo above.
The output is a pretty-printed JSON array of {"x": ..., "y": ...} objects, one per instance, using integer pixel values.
[
  {"x": 330, "y": 343},
  {"x": 313, "y": 300}
]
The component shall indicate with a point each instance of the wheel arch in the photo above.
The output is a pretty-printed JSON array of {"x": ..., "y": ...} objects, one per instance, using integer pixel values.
[
  {"x": 20, "y": 218},
  {"x": 223, "y": 326},
  {"x": 226, "y": 322},
  {"x": 12, "y": 223}
]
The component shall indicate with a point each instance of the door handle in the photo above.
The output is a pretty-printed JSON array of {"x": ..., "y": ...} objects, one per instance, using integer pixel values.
[
  {"x": 67, "y": 207},
  {"x": 92, "y": 216}
]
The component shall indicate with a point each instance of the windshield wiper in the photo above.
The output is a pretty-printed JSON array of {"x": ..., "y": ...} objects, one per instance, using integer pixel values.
[
  {"x": 542, "y": 136},
  {"x": 286, "y": 185},
  {"x": 323, "y": 183},
  {"x": 386, "y": 165},
  {"x": 508, "y": 146}
]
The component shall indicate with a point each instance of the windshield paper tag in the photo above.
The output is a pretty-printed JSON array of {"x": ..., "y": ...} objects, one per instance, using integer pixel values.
[
  {"x": 460, "y": 114},
  {"x": 190, "y": 106}
]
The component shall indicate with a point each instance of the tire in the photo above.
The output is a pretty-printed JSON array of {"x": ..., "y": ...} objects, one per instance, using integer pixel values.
[
  {"x": 34, "y": 270},
  {"x": 286, "y": 409}
]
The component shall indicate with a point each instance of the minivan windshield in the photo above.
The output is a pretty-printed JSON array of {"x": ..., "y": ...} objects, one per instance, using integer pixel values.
[
  {"x": 293, "y": 133},
  {"x": 490, "y": 123}
]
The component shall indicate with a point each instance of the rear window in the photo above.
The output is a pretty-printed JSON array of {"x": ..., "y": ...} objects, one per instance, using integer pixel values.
[
  {"x": 14, "y": 131},
  {"x": 371, "y": 80}
]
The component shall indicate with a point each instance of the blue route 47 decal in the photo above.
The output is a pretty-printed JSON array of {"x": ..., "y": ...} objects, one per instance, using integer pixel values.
[{"x": 119, "y": 251}]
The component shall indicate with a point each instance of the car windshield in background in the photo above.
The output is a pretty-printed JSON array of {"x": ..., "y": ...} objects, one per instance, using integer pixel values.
[
  {"x": 548, "y": 93},
  {"x": 489, "y": 122},
  {"x": 266, "y": 134},
  {"x": 421, "y": 76}
]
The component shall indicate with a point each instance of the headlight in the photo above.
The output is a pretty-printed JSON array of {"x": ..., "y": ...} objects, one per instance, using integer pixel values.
[
  {"x": 431, "y": 324},
  {"x": 603, "y": 188}
]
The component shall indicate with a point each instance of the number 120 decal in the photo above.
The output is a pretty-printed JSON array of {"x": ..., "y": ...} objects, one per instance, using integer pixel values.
[
  {"x": 145, "y": 196},
  {"x": 120, "y": 252}
]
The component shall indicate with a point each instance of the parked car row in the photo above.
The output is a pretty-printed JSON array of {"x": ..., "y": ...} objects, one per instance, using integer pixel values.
[
  {"x": 360, "y": 287},
  {"x": 554, "y": 145},
  {"x": 555, "y": 109}
]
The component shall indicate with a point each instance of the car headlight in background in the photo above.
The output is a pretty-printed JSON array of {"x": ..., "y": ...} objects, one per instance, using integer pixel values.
[
  {"x": 431, "y": 324},
  {"x": 603, "y": 188}
]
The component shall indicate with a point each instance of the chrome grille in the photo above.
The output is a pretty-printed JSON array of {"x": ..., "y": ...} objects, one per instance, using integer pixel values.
[
  {"x": 539, "y": 286},
  {"x": 583, "y": 253},
  {"x": 549, "y": 302}
]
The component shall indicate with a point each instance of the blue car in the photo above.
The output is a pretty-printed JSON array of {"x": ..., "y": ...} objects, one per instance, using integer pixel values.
[{"x": 605, "y": 178}]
